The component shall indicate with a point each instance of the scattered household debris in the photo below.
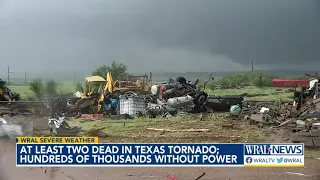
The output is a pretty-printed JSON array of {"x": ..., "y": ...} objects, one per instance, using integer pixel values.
[
  {"x": 303, "y": 123},
  {"x": 301, "y": 117},
  {"x": 59, "y": 126}
]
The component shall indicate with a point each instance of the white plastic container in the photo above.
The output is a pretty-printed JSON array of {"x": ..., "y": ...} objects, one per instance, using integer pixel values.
[
  {"x": 175, "y": 101},
  {"x": 132, "y": 105},
  {"x": 154, "y": 106}
]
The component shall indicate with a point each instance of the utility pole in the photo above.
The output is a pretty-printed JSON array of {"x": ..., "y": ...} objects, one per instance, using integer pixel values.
[
  {"x": 25, "y": 78},
  {"x": 252, "y": 66},
  {"x": 9, "y": 72}
]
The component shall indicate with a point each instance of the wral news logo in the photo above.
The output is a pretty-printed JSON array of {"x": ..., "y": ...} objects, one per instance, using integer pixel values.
[
  {"x": 267, "y": 155},
  {"x": 274, "y": 149}
]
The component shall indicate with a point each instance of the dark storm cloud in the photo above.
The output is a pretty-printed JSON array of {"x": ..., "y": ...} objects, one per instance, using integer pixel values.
[
  {"x": 203, "y": 35},
  {"x": 267, "y": 32}
]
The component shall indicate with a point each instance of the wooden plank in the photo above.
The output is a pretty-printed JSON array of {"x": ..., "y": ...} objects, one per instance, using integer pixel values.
[
  {"x": 302, "y": 133},
  {"x": 298, "y": 139},
  {"x": 316, "y": 141},
  {"x": 309, "y": 142},
  {"x": 315, "y": 133}
]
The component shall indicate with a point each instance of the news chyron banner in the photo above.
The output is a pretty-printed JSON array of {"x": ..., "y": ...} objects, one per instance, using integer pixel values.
[{"x": 87, "y": 151}]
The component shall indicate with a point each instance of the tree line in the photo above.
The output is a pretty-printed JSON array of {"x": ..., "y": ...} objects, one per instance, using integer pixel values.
[
  {"x": 119, "y": 70},
  {"x": 258, "y": 79},
  {"x": 50, "y": 88}
]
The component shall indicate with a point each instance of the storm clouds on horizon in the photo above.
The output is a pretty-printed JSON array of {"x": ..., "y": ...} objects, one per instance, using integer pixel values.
[{"x": 159, "y": 35}]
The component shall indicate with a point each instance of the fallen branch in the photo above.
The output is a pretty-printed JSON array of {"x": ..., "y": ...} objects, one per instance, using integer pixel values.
[
  {"x": 184, "y": 130},
  {"x": 227, "y": 125},
  {"x": 201, "y": 176},
  {"x": 68, "y": 176}
]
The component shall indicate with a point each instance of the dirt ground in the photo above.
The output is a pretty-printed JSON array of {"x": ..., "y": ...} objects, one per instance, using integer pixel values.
[
  {"x": 134, "y": 131},
  {"x": 8, "y": 171}
]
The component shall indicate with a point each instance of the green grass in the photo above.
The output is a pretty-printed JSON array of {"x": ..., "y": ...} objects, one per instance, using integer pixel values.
[
  {"x": 262, "y": 94},
  {"x": 136, "y": 130},
  {"x": 25, "y": 91}
]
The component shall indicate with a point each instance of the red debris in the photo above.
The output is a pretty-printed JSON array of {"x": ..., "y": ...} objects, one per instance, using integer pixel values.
[
  {"x": 162, "y": 89},
  {"x": 171, "y": 177},
  {"x": 92, "y": 116},
  {"x": 290, "y": 83}
]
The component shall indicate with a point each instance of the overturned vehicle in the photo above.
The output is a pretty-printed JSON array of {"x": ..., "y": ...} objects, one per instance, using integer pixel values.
[
  {"x": 182, "y": 95},
  {"x": 179, "y": 92}
]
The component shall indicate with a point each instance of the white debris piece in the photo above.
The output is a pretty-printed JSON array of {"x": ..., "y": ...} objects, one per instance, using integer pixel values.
[
  {"x": 316, "y": 125},
  {"x": 299, "y": 122},
  {"x": 298, "y": 174},
  {"x": 55, "y": 123},
  {"x": 13, "y": 130},
  {"x": 9, "y": 129},
  {"x": 78, "y": 94},
  {"x": 174, "y": 102},
  {"x": 264, "y": 110},
  {"x": 3, "y": 121},
  {"x": 312, "y": 83},
  {"x": 159, "y": 102}
]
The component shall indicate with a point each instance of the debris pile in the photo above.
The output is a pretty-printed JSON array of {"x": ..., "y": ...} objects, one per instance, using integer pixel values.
[
  {"x": 301, "y": 118},
  {"x": 11, "y": 103},
  {"x": 165, "y": 99},
  {"x": 6, "y": 94},
  {"x": 303, "y": 124},
  {"x": 180, "y": 95},
  {"x": 177, "y": 95}
]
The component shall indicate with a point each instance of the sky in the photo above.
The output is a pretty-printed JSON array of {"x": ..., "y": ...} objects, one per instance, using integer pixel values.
[{"x": 58, "y": 36}]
